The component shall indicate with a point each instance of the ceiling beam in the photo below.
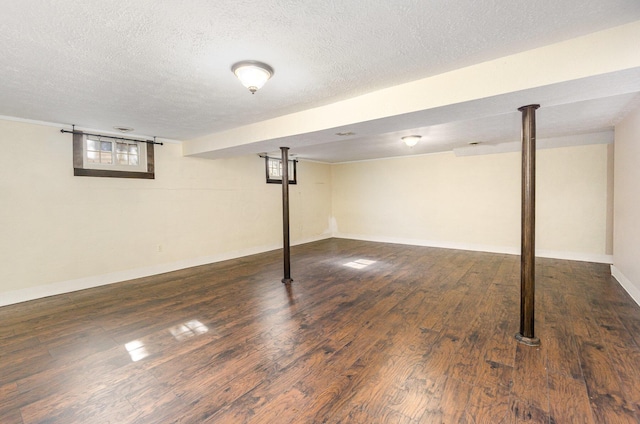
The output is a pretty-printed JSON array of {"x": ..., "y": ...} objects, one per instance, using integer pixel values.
[{"x": 599, "y": 53}]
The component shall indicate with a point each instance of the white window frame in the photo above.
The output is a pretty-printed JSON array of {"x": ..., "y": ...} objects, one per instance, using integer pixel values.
[
  {"x": 83, "y": 168},
  {"x": 114, "y": 166},
  {"x": 273, "y": 168}
]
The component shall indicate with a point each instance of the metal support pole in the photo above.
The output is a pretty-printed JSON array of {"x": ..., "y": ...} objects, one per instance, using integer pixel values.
[
  {"x": 285, "y": 215},
  {"x": 528, "y": 231}
]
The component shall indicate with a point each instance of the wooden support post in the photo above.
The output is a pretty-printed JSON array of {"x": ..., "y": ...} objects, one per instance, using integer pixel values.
[
  {"x": 285, "y": 216},
  {"x": 528, "y": 231}
]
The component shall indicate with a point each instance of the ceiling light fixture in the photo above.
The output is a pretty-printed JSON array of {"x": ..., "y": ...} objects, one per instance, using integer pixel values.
[
  {"x": 411, "y": 140},
  {"x": 252, "y": 74}
]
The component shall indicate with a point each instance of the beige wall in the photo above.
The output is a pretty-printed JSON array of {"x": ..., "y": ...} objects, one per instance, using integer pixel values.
[
  {"x": 61, "y": 232},
  {"x": 626, "y": 241},
  {"x": 474, "y": 201}
]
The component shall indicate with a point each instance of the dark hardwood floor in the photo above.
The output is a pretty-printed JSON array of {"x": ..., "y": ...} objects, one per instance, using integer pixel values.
[{"x": 417, "y": 335}]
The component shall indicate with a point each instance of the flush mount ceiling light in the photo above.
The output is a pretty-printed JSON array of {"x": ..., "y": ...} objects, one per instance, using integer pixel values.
[
  {"x": 123, "y": 129},
  {"x": 252, "y": 74},
  {"x": 411, "y": 140}
]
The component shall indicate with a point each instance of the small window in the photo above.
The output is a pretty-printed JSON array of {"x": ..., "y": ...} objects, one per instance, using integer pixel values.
[
  {"x": 103, "y": 156},
  {"x": 104, "y": 153},
  {"x": 274, "y": 170}
]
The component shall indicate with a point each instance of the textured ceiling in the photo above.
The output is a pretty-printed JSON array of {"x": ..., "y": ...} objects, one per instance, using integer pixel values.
[{"x": 163, "y": 67}]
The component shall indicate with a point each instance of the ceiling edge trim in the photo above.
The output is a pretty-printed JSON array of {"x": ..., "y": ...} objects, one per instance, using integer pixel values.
[{"x": 87, "y": 129}]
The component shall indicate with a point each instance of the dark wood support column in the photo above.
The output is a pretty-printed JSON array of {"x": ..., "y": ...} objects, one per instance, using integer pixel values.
[
  {"x": 528, "y": 232},
  {"x": 285, "y": 216}
]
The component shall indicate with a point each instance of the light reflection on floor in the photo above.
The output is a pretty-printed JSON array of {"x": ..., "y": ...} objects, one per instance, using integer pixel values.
[
  {"x": 188, "y": 329},
  {"x": 137, "y": 350},
  {"x": 360, "y": 263}
]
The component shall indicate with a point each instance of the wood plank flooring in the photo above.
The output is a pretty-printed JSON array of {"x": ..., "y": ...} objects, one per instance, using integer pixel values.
[{"x": 367, "y": 333}]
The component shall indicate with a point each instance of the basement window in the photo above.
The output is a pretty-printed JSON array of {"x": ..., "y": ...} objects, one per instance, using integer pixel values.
[
  {"x": 274, "y": 170},
  {"x": 104, "y": 156}
]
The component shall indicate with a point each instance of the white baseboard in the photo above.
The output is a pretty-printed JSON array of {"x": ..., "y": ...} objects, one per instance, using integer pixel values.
[
  {"x": 38, "y": 292},
  {"x": 430, "y": 243},
  {"x": 626, "y": 284},
  {"x": 510, "y": 250},
  {"x": 575, "y": 256}
]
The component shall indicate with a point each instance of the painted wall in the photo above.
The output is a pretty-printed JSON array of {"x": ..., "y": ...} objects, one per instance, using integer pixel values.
[
  {"x": 473, "y": 202},
  {"x": 62, "y": 233},
  {"x": 626, "y": 240}
]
